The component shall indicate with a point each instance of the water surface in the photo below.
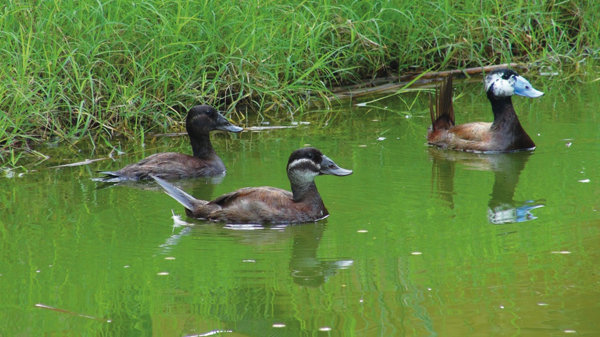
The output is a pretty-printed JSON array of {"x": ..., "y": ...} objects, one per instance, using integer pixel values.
[{"x": 420, "y": 242}]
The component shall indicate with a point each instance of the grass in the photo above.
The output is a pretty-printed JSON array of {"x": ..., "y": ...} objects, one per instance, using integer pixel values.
[{"x": 71, "y": 70}]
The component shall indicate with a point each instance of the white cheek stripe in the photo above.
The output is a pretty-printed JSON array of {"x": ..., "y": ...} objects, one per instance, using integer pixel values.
[{"x": 301, "y": 161}]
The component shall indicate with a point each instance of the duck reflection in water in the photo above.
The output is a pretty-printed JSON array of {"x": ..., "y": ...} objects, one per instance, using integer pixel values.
[
  {"x": 306, "y": 268},
  {"x": 507, "y": 167}
]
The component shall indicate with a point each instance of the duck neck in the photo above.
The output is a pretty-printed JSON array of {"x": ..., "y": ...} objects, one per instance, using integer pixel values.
[
  {"x": 307, "y": 192},
  {"x": 505, "y": 118},
  {"x": 507, "y": 127},
  {"x": 504, "y": 113},
  {"x": 201, "y": 146}
]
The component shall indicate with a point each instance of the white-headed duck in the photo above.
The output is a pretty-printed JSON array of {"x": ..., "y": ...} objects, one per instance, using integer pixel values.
[{"x": 504, "y": 134}]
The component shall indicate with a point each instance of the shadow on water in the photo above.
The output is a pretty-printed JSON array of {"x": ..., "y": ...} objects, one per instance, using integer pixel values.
[{"x": 507, "y": 167}]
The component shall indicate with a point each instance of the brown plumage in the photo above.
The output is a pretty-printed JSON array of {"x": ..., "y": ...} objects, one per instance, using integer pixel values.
[
  {"x": 504, "y": 134},
  {"x": 268, "y": 204},
  {"x": 200, "y": 120}
]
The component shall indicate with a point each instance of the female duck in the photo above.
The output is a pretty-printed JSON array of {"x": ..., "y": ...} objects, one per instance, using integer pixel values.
[
  {"x": 503, "y": 135},
  {"x": 253, "y": 205},
  {"x": 201, "y": 119}
]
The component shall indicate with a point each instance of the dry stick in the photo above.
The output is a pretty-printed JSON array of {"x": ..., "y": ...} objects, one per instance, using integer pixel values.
[
  {"x": 80, "y": 163},
  {"x": 248, "y": 128},
  {"x": 399, "y": 82},
  {"x": 468, "y": 71}
]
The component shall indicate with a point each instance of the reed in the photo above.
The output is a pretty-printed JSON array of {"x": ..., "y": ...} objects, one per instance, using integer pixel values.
[{"x": 76, "y": 69}]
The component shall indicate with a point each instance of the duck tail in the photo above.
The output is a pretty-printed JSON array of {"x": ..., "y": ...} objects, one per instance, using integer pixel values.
[
  {"x": 442, "y": 117},
  {"x": 176, "y": 193}
]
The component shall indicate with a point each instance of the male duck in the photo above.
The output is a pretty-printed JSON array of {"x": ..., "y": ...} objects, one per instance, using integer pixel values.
[
  {"x": 201, "y": 119},
  {"x": 258, "y": 205},
  {"x": 505, "y": 134}
]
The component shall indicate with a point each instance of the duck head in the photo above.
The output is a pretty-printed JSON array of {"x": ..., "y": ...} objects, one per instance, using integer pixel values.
[
  {"x": 202, "y": 119},
  {"x": 307, "y": 163},
  {"x": 506, "y": 82}
]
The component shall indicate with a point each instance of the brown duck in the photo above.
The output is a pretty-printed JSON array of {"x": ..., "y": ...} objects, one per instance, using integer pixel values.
[
  {"x": 259, "y": 205},
  {"x": 200, "y": 121}
]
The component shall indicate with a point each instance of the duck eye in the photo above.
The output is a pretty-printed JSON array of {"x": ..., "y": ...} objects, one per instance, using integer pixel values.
[{"x": 527, "y": 87}]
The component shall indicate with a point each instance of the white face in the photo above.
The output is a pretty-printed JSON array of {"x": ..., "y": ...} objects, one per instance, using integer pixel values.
[
  {"x": 303, "y": 170},
  {"x": 514, "y": 85},
  {"x": 502, "y": 87}
]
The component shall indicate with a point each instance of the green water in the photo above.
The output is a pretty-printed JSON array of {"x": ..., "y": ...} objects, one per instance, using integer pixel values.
[{"x": 420, "y": 242}]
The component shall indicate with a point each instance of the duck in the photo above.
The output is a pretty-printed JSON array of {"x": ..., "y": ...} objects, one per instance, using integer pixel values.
[
  {"x": 504, "y": 134},
  {"x": 268, "y": 205},
  {"x": 200, "y": 121}
]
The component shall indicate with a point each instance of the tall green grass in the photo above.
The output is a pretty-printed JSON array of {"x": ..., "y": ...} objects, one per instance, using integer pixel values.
[{"x": 71, "y": 69}]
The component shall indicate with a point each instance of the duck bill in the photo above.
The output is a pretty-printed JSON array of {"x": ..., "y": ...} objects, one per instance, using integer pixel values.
[
  {"x": 328, "y": 166},
  {"x": 524, "y": 88},
  {"x": 224, "y": 125}
]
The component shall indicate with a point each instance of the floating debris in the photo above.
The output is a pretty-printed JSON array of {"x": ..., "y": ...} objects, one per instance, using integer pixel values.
[
  {"x": 210, "y": 333},
  {"x": 177, "y": 222},
  {"x": 8, "y": 173},
  {"x": 47, "y": 307}
]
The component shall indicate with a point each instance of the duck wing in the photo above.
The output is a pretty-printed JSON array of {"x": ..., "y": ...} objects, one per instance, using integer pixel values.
[
  {"x": 261, "y": 205},
  {"x": 166, "y": 165},
  {"x": 475, "y": 132}
]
